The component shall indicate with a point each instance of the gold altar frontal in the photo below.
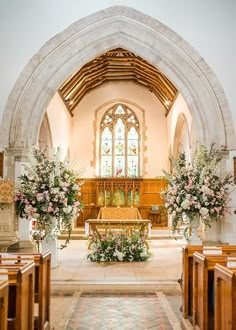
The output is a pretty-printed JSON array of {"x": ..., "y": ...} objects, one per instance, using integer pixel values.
[
  {"x": 142, "y": 226},
  {"x": 127, "y": 226},
  {"x": 125, "y": 220}
]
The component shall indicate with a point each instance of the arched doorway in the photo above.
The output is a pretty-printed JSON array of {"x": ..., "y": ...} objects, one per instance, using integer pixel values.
[{"x": 95, "y": 34}]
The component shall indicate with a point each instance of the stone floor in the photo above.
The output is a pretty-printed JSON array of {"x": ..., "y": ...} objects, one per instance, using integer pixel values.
[{"x": 139, "y": 295}]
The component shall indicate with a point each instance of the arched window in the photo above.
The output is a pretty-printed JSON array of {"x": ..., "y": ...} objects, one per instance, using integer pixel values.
[{"x": 119, "y": 143}]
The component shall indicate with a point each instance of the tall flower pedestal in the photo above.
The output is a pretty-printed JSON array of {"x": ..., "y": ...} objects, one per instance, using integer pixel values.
[
  {"x": 194, "y": 238},
  {"x": 52, "y": 245}
]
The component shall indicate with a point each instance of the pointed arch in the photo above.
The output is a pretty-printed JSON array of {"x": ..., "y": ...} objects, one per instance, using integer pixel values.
[
  {"x": 93, "y": 35},
  {"x": 181, "y": 137}
]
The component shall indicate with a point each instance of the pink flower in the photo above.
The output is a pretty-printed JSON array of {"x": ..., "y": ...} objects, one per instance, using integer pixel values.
[{"x": 50, "y": 209}]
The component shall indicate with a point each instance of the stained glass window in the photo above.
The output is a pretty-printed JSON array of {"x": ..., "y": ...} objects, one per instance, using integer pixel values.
[{"x": 119, "y": 144}]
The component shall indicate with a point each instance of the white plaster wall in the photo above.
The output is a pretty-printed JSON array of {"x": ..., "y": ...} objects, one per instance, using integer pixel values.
[
  {"x": 153, "y": 125},
  {"x": 60, "y": 125},
  {"x": 209, "y": 26}
]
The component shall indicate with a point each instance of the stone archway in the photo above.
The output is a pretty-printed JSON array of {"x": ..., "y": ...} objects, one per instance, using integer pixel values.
[{"x": 93, "y": 35}]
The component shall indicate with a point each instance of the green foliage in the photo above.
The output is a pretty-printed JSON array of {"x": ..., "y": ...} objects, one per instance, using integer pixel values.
[
  {"x": 48, "y": 192},
  {"x": 118, "y": 247},
  {"x": 196, "y": 188}
]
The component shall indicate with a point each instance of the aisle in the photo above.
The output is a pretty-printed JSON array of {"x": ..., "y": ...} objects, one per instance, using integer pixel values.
[
  {"x": 75, "y": 269},
  {"x": 79, "y": 287}
]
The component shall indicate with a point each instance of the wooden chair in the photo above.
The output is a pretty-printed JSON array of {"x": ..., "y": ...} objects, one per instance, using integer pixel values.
[
  {"x": 225, "y": 298},
  {"x": 42, "y": 287},
  {"x": 3, "y": 301},
  {"x": 21, "y": 294}
]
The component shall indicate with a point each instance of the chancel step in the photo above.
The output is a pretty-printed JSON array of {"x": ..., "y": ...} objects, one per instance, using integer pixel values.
[{"x": 78, "y": 233}]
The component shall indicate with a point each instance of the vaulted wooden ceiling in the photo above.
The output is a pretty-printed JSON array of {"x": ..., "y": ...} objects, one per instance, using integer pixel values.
[{"x": 117, "y": 65}]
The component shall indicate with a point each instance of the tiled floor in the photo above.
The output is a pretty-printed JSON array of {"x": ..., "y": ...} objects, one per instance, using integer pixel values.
[{"x": 141, "y": 295}]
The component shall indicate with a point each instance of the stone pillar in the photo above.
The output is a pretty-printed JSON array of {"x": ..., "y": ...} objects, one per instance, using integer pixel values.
[{"x": 16, "y": 228}]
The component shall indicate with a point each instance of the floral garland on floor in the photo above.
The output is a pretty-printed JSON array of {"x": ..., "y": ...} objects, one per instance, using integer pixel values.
[
  {"x": 196, "y": 188},
  {"x": 116, "y": 246},
  {"x": 48, "y": 192}
]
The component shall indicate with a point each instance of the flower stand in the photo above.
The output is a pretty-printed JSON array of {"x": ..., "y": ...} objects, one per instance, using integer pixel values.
[
  {"x": 52, "y": 245},
  {"x": 194, "y": 238}
]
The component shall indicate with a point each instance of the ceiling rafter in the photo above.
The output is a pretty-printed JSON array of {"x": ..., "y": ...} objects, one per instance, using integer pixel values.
[{"x": 117, "y": 65}]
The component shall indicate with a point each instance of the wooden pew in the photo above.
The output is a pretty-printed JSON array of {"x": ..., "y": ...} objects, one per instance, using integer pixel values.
[
  {"x": 42, "y": 290},
  {"x": 187, "y": 274},
  {"x": 3, "y": 301},
  {"x": 225, "y": 298},
  {"x": 203, "y": 288},
  {"x": 21, "y": 294}
]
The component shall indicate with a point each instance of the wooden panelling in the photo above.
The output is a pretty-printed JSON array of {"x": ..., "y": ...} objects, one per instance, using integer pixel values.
[{"x": 141, "y": 193}]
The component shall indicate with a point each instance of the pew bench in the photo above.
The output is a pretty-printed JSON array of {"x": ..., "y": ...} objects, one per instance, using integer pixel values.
[
  {"x": 225, "y": 297},
  {"x": 203, "y": 287},
  {"x": 42, "y": 284},
  {"x": 187, "y": 274},
  {"x": 3, "y": 301},
  {"x": 21, "y": 294}
]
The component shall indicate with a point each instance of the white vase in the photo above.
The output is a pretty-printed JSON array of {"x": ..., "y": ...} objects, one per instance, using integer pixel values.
[
  {"x": 195, "y": 223},
  {"x": 51, "y": 244}
]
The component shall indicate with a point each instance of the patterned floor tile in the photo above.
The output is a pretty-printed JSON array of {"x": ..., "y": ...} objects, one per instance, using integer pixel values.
[{"x": 120, "y": 310}]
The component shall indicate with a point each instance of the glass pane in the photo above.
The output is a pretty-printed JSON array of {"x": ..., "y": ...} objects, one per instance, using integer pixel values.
[
  {"x": 119, "y": 130},
  {"x": 133, "y": 166},
  {"x": 106, "y": 147},
  {"x": 119, "y": 166},
  {"x": 119, "y": 110},
  {"x": 132, "y": 119},
  {"x": 132, "y": 142},
  {"x": 119, "y": 138},
  {"x": 106, "y": 120},
  {"x": 106, "y": 166}
]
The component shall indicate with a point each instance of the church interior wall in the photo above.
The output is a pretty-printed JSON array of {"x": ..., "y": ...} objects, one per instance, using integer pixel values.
[
  {"x": 60, "y": 124},
  {"x": 221, "y": 64},
  {"x": 191, "y": 20},
  {"x": 152, "y": 121},
  {"x": 178, "y": 108}
]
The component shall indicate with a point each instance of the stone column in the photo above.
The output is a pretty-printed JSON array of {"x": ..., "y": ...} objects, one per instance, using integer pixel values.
[{"x": 17, "y": 228}]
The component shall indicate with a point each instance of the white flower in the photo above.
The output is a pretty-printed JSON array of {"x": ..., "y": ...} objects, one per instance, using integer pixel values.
[
  {"x": 119, "y": 255},
  {"x": 204, "y": 211},
  {"x": 67, "y": 209},
  {"x": 54, "y": 190},
  {"x": 185, "y": 204}
]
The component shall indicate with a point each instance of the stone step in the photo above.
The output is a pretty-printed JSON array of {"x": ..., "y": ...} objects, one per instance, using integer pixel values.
[
  {"x": 103, "y": 285},
  {"x": 157, "y": 233}
]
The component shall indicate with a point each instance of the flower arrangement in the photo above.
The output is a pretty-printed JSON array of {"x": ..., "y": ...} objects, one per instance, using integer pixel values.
[
  {"x": 48, "y": 192},
  {"x": 116, "y": 246},
  {"x": 195, "y": 188}
]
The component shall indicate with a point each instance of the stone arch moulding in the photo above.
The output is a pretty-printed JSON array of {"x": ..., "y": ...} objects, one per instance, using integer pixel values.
[{"x": 93, "y": 35}]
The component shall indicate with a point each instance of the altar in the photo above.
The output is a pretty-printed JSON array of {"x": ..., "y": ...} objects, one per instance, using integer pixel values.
[{"x": 123, "y": 219}]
